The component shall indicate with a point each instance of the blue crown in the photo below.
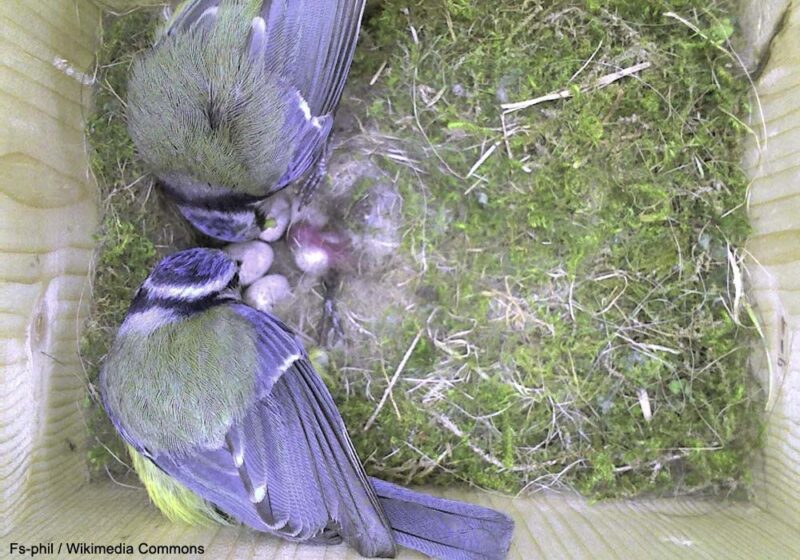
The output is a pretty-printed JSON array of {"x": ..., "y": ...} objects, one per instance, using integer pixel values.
[{"x": 191, "y": 275}]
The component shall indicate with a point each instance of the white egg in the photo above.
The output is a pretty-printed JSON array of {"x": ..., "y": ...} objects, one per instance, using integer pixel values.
[
  {"x": 279, "y": 212},
  {"x": 255, "y": 258},
  {"x": 267, "y": 291}
]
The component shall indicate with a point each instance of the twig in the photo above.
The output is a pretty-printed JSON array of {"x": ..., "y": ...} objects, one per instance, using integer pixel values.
[
  {"x": 482, "y": 159},
  {"x": 377, "y": 74},
  {"x": 567, "y": 93},
  {"x": 505, "y": 135},
  {"x": 392, "y": 381},
  {"x": 644, "y": 403},
  {"x": 513, "y": 107},
  {"x": 118, "y": 483},
  {"x": 585, "y": 64},
  {"x": 411, "y": 27},
  {"x": 554, "y": 476},
  {"x": 733, "y": 55},
  {"x": 422, "y": 129},
  {"x": 738, "y": 284},
  {"x": 450, "y": 426}
]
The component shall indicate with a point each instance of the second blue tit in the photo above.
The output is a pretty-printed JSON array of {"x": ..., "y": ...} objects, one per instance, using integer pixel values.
[
  {"x": 236, "y": 101},
  {"x": 227, "y": 420}
]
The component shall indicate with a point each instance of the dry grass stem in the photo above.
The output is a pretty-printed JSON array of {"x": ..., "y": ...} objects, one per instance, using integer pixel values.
[
  {"x": 393, "y": 380},
  {"x": 567, "y": 93}
]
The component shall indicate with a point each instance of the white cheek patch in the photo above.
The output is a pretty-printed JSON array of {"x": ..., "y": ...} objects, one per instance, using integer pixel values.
[{"x": 184, "y": 292}]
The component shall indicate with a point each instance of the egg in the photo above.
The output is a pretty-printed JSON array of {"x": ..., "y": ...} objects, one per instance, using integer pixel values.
[
  {"x": 254, "y": 258},
  {"x": 277, "y": 214},
  {"x": 267, "y": 292}
]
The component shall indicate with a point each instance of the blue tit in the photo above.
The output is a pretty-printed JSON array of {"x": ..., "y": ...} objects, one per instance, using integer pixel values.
[
  {"x": 236, "y": 101},
  {"x": 227, "y": 421}
]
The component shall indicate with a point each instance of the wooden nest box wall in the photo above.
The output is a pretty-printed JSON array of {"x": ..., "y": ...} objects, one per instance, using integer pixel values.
[{"x": 48, "y": 216}]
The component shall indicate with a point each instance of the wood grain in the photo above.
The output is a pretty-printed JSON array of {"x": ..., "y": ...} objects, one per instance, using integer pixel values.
[
  {"x": 47, "y": 218},
  {"x": 773, "y": 162}
]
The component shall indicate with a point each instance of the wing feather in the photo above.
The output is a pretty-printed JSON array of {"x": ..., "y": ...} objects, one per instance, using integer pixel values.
[{"x": 311, "y": 43}]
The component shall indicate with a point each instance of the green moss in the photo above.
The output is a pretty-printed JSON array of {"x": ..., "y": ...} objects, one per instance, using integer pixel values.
[{"x": 583, "y": 268}]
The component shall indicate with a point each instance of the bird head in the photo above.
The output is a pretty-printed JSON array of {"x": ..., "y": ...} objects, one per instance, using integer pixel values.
[
  {"x": 182, "y": 284},
  {"x": 192, "y": 275}
]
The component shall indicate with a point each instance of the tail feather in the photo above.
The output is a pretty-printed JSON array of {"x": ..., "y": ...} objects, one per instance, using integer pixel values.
[{"x": 444, "y": 529}]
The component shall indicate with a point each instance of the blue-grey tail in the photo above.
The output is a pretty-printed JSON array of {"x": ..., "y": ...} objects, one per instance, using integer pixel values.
[{"x": 444, "y": 529}]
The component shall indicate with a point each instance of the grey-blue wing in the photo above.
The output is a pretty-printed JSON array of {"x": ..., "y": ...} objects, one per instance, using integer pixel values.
[
  {"x": 288, "y": 468},
  {"x": 311, "y": 43},
  {"x": 311, "y": 146}
]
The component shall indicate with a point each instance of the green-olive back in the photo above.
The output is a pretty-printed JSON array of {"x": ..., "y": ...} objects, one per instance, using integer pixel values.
[
  {"x": 184, "y": 383},
  {"x": 200, "y": 107}
]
